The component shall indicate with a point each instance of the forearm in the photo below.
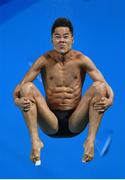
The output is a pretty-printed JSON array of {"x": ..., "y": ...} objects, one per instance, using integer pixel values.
[
  {"x": 29, "y": 77},
  {"x": 96, "y": 75}
]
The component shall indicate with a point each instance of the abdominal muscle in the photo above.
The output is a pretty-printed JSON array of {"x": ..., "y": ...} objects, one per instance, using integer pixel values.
[{"x": 63, "y": 97}]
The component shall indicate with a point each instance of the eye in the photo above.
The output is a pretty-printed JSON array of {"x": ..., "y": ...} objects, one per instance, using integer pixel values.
[
  {"x": 66, "y": 37},
  {"x": 57, "y": 37}
]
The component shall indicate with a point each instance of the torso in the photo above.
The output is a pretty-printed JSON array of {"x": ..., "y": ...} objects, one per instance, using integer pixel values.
[{"x": 63, "y": 80}]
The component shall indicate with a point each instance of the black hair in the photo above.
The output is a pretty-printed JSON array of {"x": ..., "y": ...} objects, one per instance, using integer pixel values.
[{"x": 62, "y": 22}]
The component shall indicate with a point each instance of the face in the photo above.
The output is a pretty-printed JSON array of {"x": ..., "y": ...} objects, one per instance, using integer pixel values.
[{"x": 62, "y": 39}]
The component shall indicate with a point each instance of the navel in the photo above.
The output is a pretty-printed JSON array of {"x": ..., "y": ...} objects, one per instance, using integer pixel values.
[
  {"x": 75, "y": 77},
  {"x": 51, "y": 77}
]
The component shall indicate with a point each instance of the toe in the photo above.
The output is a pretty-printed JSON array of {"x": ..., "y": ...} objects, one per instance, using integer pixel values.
[
  {"x": 87, "y": 158},
  {"x": 35, "y": 156}
]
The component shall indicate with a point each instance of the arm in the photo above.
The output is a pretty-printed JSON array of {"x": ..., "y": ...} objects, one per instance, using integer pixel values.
[
  {"x": 96, "y": 75},
  {"x": 29, "y": 77}
]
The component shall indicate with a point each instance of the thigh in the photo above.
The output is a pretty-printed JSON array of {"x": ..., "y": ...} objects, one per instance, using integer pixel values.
[
  {"x": 45, "y": 117},
  {"x": 80, "y": 117},
  {"x": 47, "y": 120}
]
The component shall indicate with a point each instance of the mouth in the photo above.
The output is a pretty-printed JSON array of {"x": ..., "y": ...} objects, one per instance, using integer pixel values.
[{"x": 61, "y": 45}]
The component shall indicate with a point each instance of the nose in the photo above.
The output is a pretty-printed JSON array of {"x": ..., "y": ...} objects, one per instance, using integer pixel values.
[{"x": 62, "y": 40}]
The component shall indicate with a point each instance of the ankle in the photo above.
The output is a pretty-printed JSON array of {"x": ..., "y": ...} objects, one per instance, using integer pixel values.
[
  {"x": 90, "y": 139},
  {"x": 35, "y": 140}
]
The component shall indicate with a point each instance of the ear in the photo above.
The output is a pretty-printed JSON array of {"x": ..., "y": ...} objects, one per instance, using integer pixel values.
[{"x": 72, "y": 40}]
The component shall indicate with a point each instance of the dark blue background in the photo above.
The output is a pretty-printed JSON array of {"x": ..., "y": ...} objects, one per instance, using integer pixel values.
[{"x": 25, "y": 35}]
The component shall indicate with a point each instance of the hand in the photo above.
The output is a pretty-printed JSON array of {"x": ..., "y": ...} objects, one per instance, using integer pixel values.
[
  {"x": 25, "y": 103},
  {"x": 103, "y": 104}
]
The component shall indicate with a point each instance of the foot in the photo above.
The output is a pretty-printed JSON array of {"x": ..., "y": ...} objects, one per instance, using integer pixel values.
[
  {"x": 88, "y": 151},
  {"x": 36, "y": 148}
]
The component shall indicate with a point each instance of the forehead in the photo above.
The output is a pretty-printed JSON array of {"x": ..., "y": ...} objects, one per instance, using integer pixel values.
[{"x": 62, "y": 30}]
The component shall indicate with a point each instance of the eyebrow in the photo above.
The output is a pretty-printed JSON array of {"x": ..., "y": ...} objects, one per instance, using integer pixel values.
[{"x": 63, "y": 34}]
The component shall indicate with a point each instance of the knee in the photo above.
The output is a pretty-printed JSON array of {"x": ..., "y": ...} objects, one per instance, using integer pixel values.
[
  {"x": 94, "y": 100},
  {"x": 99, "y": 88},
  {"x": 27, "y": 89}
]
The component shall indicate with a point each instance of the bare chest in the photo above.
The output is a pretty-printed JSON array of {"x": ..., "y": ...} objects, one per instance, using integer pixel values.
[{"x": 62, "y": 73}]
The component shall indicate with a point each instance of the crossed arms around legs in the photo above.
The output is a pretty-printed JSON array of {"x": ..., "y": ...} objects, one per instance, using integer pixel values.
[{"x": 63, "y": 92}]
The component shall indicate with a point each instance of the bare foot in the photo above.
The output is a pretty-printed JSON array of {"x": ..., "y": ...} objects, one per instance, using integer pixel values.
[
  {"x": 88, "y": 151},
  {"x": 35, "y": 153}
]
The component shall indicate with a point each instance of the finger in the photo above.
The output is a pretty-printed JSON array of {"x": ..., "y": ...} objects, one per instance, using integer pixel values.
[
  {"x": 99, "y": 103},
  {"x": 32, "y": 100},
  {"x": 25, "y": 99},
  {"x": 103, "y": 98},
  {"x": 26, "y": 109},
  {"x": 26, "y": 103},
  {"x": 103, "y": 106},
  {"x": 99, "y": 108},
  {"x": 26, "y": 106}
]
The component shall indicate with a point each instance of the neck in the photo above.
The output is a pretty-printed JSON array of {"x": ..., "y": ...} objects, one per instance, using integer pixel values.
[
  {"x": 60, "y": 56},
  {"x": 63, "y": 54}
]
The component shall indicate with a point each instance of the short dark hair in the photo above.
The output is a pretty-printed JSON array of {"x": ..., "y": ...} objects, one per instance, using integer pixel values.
[{"x": 62, "y": 22}]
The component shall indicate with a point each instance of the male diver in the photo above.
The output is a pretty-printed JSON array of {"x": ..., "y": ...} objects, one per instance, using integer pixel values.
[{"x": 64, "y": 112}]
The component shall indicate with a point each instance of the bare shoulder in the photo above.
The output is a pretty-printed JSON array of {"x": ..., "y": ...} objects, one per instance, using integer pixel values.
[
  {"x": 42, "y": 60},
  {"x": 47, "y": 54},
  {"x": 84, "y": 61},
  {"x": 50, "y": 54},
  {"x": 80, "y": 56},
  {"x": 39, "y": 63}
]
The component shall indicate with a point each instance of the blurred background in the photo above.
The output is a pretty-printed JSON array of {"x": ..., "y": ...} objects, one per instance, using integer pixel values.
[{"x": 99, "y": 32}]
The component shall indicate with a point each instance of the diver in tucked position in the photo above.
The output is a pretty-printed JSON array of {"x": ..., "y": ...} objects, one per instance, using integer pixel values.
[{"x": 64, "y": 112}]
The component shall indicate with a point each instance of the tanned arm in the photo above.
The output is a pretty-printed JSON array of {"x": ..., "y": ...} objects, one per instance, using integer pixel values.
[
  {"x": 96, "y": 75},
  {"x": 29, "y": 77}
]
